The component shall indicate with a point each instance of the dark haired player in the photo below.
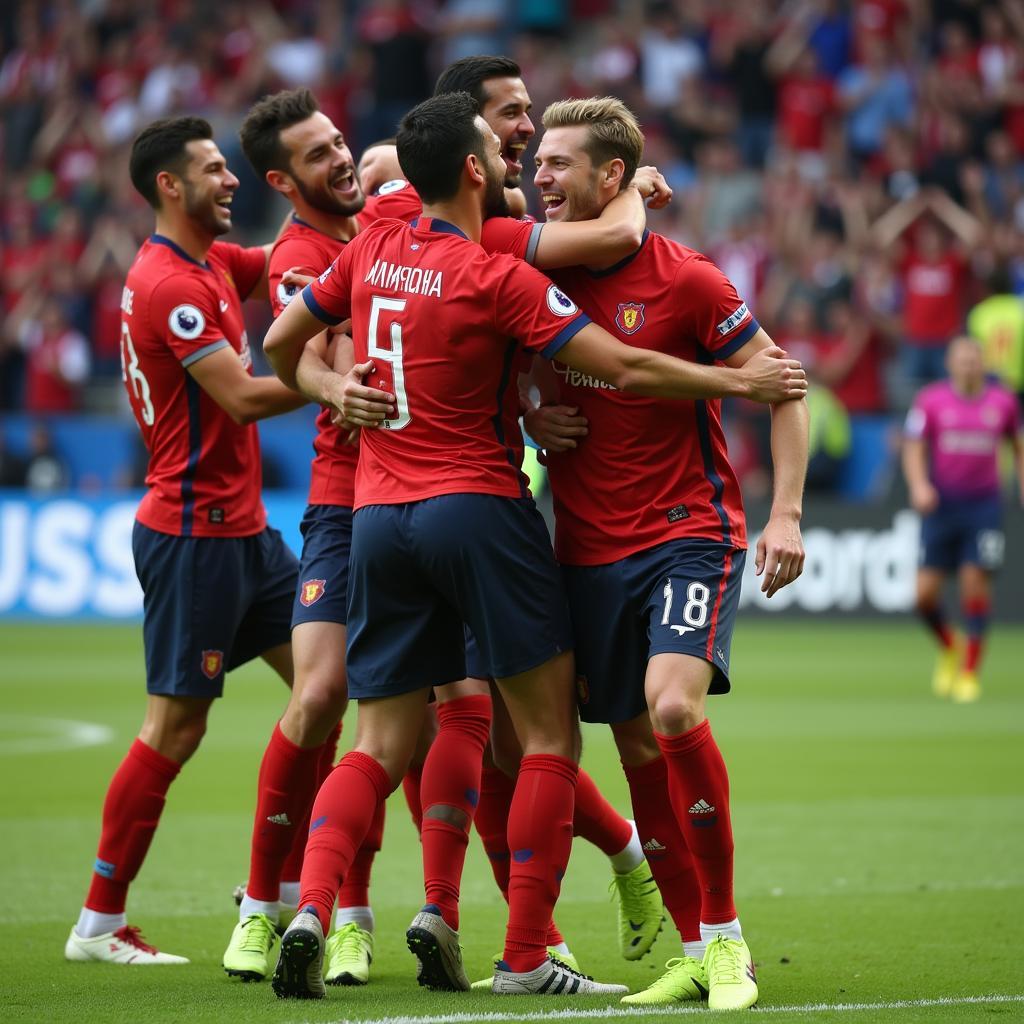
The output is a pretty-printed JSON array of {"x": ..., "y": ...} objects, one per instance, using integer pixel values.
[
  {"x": 299, "y": 152},
  {"x": 441, "y": 512},
  {"x": 218, "y": 582}
]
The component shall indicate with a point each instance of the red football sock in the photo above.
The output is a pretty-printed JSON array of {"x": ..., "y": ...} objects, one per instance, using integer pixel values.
[
  {"x": 287, "y": 782},
  {"x": 131, "y": 812},
  {"x": 977, "y": 612},
  {"x": 699, "y": 787},
  {"x": 935, "y": 619},
  {"x": 540, "y": 838},
  {"x": 411, "y": 782},
  {"x": 451, "y": 779},
  {"x": 554, "y": 936},
  {"x": 355, "y": 890},
  {"x": 491, "y": 820},
  {"x": 597, "y": 821},
  {"x": 664, "y": 846},
  {"x": 343, "y": 812},
  {"x": 291, "y": 871}
]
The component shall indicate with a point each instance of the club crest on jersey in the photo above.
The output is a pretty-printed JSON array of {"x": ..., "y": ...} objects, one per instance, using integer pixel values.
[
  {"x": 559, "y": 303},
  {"x": 312, "y": 591},
  {"x": 286, "y": 292},
  {"x": 186, "y": 322},
  {"x": 630, "y": 317},
  {"x": 212, "y": 664}
]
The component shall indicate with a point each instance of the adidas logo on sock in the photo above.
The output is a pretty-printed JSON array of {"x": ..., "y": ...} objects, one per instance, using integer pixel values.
[
  {"x": 702, "y": 807},
  {"x": 653, "y": 846},
  {"x": 278, "y": 819}
]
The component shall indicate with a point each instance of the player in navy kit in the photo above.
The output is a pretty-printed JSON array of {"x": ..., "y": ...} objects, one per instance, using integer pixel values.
[{"x": 217, "y": 580}]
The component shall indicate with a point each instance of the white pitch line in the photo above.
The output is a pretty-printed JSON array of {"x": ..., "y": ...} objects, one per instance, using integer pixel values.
[
  {"x": 613, "y": 1012},
  {"x": 48, "y": 735}
]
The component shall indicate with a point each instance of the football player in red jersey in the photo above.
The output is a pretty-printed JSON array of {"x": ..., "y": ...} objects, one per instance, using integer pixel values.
[
  {"x": 218, "y": 582},
  {"x": 442, "y": 512},
  {"x": 296, "y": 148},
  {"x": 651, "y": 535}
]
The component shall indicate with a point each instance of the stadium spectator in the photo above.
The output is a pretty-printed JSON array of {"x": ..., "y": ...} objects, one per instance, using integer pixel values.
[
  {"x": 56, "y": 354},
  {"x": 46, "y": 472}
]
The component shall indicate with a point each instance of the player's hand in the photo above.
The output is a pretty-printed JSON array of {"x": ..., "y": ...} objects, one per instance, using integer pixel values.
[
  {"x": 359, "y": 405},
  {"x": 516, "y": 200},
  {"x": 293, "y": 276},
  {"x": 924, "y": 498},
  {"x": 651, "y": 184},
  {"x": 556, "y": 427},
  {"x": 780, "y": 553},
  {"x": 771, "y": 377}
]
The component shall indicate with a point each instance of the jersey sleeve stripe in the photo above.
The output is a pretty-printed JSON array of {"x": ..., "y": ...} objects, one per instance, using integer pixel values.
[
  {"x": 533, "y": 243},
  {"x": 317, "y": 310},
  {"x": 564, "y": 336},
  {"x": 735, "y": 343},
  {"x": 200, "y": 353}
]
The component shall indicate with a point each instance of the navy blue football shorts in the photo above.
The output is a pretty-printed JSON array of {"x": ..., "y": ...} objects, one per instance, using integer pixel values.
[
  {"x": 965, "y": 531},
  {"x": 679, "y": 597},
  {"x": 475, "y": 667},
  {"x": 322, "y": 593},
  {"x": 210, "y": 604},
  {"x": 422, "y": 570}
]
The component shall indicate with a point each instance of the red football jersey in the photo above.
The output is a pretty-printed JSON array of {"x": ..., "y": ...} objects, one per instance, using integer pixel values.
[
  {"x": 204, "y": 469},
  {"x": 443, "y": 322},
  {"x": 650, "y": 469},
  {"x": 308, "y": 249}
]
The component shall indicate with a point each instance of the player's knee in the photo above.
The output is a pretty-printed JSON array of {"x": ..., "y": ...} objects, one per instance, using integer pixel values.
[
  {"x": 319, "y": 704},
  {"x": 182, "y": 739},
  {"x": 675, "y": 713}
]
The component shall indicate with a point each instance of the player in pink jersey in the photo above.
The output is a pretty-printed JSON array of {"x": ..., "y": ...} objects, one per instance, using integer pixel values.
[
  {"x": 302, "y": 155},
  {"x": 217, "y": 580},
  {"x": 950, "y": 461},
  {"x": 651, "y": 535},
  {"x": 441, "y": 512}
]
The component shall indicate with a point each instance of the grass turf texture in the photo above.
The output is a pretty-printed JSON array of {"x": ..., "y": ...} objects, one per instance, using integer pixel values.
[{"x": 879, "y": 839}]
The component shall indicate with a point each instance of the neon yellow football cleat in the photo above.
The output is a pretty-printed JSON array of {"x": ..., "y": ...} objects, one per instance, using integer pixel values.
[
  {"x": 947, "y": 664},
  {"x": 966, "y": 688},
  {"x": 248, "y": 953},
  {"x": 684, "y": 981},
  {"x": 732, "y": 984},
  {"x": 641, "y": 910},
  {"x": 348, "y": 956}
]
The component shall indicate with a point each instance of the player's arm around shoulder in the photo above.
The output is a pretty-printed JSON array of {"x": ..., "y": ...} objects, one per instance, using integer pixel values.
[{"x": 780, "y": 548}]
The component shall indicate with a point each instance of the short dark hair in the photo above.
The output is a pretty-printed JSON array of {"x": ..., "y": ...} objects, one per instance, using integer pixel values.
[
  {"x": 260, "y": 133},
  {"x": 468, "y": 74},
  {"x": 433, "y": 142},
  {"x": 160, "y": 146}
]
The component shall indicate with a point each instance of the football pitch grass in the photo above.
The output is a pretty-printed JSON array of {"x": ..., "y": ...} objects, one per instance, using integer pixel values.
[{"x": 879, "y": 834}]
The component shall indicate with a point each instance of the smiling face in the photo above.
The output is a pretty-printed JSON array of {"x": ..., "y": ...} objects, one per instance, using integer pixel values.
[
  {"x": 566, "y": 177},
  {"x": 208, "y": 187},
  {"x": 495, "y": 203},
  {"x": 321, "y": 166},
  {"x": 507, "y": 111}
]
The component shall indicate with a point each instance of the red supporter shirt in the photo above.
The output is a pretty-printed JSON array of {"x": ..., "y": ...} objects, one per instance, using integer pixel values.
[
  {"x": 204, "y": 473},
  {"x": 650, "y": 470},
  {"x": 804, "y": 104},
  {"x": 443, "y": 322},
  {"x": 933, "y": 309},
  {"x": 311, "y": 251}
]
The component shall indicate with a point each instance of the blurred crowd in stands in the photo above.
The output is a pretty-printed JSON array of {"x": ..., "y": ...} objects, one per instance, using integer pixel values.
[{"x": 857, "y": 168}]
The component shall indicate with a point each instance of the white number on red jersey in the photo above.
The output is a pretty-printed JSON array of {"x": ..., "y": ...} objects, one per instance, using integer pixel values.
[
  {"x": 392, "y": 356},
  {"x": 130, "y": 372}
]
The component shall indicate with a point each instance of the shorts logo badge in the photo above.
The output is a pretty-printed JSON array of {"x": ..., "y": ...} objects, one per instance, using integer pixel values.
[
  {"x": 312, "y": 591},
  {"x": 582, "y": 689},
  {"x": 630, "y": 317},
  {"x": 212, "y": 664}
]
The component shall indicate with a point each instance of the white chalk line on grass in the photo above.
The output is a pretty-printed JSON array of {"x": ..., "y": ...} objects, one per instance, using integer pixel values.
[
  {"x": 48, "y": 735},
  {"x": 614, "y": 1012}
]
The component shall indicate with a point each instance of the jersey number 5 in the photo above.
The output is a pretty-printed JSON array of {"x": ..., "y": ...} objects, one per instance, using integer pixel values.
[
  {"x": 130, "y": 371},
  {"x": 392, "y": 356}
]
